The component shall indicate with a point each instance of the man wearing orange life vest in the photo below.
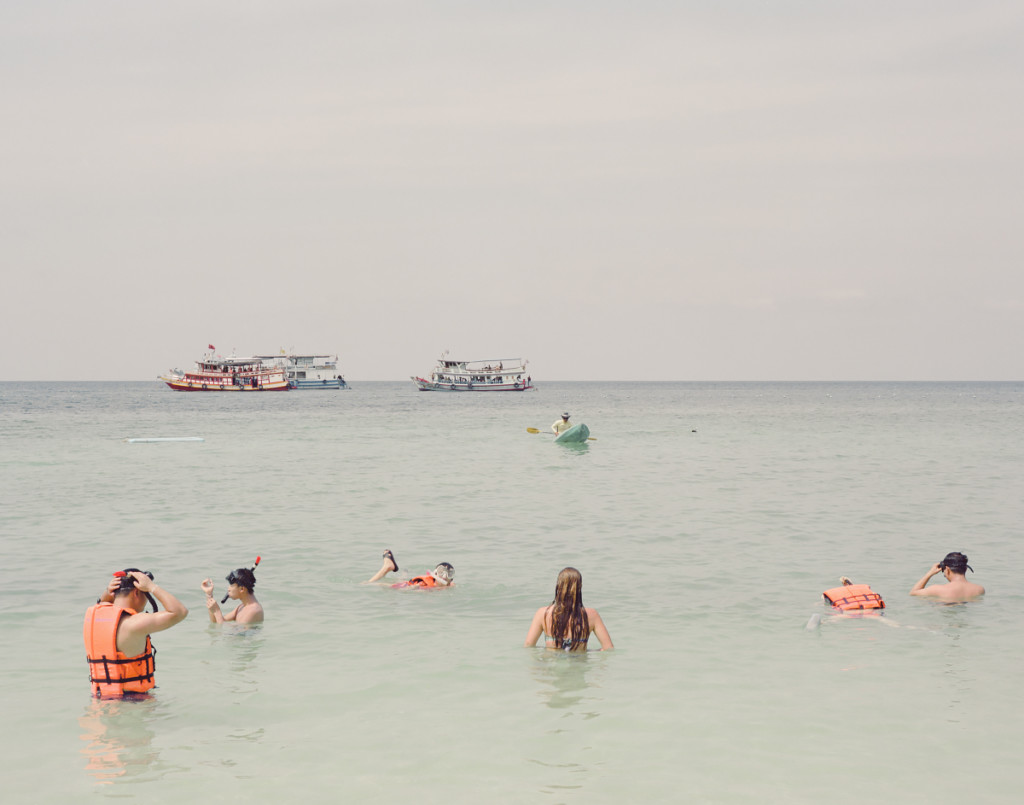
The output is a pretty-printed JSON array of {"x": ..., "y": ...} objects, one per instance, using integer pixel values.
[
  {"x": 117, "y": 629},
  {"x": 957, "y": 588},
  {"x": 854, "y": 598}
]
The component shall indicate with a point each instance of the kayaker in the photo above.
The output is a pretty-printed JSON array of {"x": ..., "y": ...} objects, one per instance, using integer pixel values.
[
  {"x": 566, "y": 624},
  {"x": 957, "y": 588},
  {"x": 560, "y": 425},
  {"x": 440, "y": 576}
]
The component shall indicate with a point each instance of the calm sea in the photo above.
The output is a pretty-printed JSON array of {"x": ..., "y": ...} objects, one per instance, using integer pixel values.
[{"x": 706, "y": 519}]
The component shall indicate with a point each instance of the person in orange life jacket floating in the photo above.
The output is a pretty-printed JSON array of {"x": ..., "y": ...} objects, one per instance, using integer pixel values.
[
  {"x": 852, "y": 597},
  {"x": 441, "y": 576},
  {"x": 117, "y": 629},
  {"x": 241, "y": 583},
  {"x": 957, "y": 588}
]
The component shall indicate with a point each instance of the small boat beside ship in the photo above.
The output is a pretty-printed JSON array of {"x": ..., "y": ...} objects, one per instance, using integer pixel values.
[
  {"x": 504, "y": 374},
  {"x": 306, "y": 372},
  {"x": 214, "y": 373}
]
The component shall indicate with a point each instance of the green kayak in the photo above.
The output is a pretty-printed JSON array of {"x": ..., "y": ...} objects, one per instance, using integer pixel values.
[{"x": 575, "y": 434}]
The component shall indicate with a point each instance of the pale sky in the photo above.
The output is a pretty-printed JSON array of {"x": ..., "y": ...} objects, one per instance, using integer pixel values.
[{"x": 615, "y": 191}]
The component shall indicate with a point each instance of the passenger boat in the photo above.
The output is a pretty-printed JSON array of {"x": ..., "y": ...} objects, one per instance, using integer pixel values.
[
  {"x": 305, "y": 372},
  {"x": 214, "y": 373},
  {"x": 505, "y": 374}
]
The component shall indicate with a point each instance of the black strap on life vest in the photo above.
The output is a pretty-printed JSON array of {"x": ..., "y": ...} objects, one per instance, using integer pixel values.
[{"x": 106, "y": 662}]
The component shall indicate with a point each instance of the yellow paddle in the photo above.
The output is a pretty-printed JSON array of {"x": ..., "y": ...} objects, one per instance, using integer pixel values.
[{"x": 534, "y": 430}]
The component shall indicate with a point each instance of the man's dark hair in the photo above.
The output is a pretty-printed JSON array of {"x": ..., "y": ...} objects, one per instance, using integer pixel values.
[{"x": 956, "y": 562}]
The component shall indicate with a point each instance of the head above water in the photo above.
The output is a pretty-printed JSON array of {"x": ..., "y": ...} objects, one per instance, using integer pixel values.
[
  {"x": 565, "y": 415},
  {"x": 569, "y": 588},
  {"x": 445, "y": 572},
  {"x": 127, "y": 586},
  {"x": 955, "y": 562},
  {"x": 243, "y": 577}
]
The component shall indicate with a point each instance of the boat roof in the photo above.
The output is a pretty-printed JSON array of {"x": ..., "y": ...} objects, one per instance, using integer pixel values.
[{"x": 491, "y": 361}]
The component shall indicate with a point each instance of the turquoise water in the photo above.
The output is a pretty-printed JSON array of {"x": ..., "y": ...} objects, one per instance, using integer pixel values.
[{"x": 706, "y": 519}]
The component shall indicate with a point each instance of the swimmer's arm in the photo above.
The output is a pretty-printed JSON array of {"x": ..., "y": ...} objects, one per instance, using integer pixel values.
[
  {"x": 232, "y": 614},
  {"x": 919, "y": 587},
  {"x": 598, "y": 628},
  {"x": 536, "y": 627},
  {"x": 148, "y": 622},
  {"x": 108, "y": 594},
  {"x": 212, "y": 607}
]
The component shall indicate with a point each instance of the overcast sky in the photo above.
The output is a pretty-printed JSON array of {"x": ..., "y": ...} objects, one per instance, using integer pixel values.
[{"x": 615, "y": 191}]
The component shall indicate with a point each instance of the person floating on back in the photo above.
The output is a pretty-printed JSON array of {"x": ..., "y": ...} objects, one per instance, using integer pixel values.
[
  {"x": 957, "y": 588},
  {"x": 566, "y": 624},
  {"x": 241, "y": 583},
  {"x": 560, "y": 425},
  {"x": 116, "y": 633},
  {"x": 850, "y": 598},
  {"x": 441, "y": 576}
]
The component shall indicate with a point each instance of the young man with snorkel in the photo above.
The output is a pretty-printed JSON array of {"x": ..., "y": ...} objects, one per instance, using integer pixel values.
[
  {"x": 117, "y": 629},
  {"x": 241, "y": 583},
  {"x": 957, "y": 588}
]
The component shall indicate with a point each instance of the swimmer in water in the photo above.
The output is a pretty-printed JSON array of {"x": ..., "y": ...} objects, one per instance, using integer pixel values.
[
  {"x": 441, "y": 576},
  {"x": 240, "y": 588},
  {"x": 957, "y": 588},
  {"x": 566, "y": 624}
]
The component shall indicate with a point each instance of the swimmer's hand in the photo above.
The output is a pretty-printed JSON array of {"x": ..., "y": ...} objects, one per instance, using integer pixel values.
[
  {"x": 111, "y": 591},
  {"x": 207, "y": 586},
  {"x": 143, "y": 583}
]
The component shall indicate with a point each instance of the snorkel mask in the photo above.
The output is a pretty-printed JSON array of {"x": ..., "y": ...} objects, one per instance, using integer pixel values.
[
  {"x": 956, "y": 562},
  {"x": 444, "y": 572},
  {"x": 128, "y": 583},
  {"x": 243, "y": 577}
]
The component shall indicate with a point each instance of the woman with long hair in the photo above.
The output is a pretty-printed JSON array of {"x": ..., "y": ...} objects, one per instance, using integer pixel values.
[{"x": 566, "y": 624}]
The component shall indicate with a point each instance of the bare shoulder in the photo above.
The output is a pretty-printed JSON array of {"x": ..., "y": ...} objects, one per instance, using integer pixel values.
[{"x": 252, "y": 613}]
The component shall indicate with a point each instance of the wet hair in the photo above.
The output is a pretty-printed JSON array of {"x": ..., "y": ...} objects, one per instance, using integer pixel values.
[
  {"x": 569, "y": 620},
  {"x": 445, "y": 571},
  {"x": 243, "y": 577},
  {"x": 956, "y": 562}
]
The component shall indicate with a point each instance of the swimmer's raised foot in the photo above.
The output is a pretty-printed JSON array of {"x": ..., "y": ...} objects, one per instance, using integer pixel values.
[{"x": 390, "y": 557}]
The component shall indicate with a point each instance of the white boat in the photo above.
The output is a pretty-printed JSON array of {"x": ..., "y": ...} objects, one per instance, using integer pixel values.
[
  {"x": 503, "y": 374},
  {"x": 305, "y": 372},
  {"x": 215, "y": 373}
]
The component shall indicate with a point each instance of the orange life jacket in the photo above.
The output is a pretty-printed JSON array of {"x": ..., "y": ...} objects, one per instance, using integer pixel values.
[
  {"x": 423, "y": 581},
  {"x": 110, "y": 671},
  {"x": 853, "y": 597}
]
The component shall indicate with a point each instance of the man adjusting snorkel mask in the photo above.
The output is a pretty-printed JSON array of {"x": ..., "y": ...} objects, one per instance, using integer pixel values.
[
  {"x": 243, "y": 577},
  {"x": 128, "y": 583}
]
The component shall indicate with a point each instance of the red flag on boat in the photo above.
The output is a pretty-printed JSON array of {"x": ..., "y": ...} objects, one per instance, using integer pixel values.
[{"x": 211, "y": 347}]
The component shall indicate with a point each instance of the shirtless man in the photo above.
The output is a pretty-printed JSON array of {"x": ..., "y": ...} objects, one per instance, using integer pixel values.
[
  {"x": 241, "y": 583},
  {"x": 957, "y": 588}
]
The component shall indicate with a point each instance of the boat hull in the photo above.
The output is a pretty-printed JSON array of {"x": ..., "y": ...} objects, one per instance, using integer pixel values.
[
  {"x": 312, "y": 385},
  {"x": 188, "y": 385},
  {"x": 428, "y": 385},
  {"x": 575, "y": 434}
]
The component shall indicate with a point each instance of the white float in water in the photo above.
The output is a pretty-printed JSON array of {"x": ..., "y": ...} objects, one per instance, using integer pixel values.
[{"x": 149, "y": 439}]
